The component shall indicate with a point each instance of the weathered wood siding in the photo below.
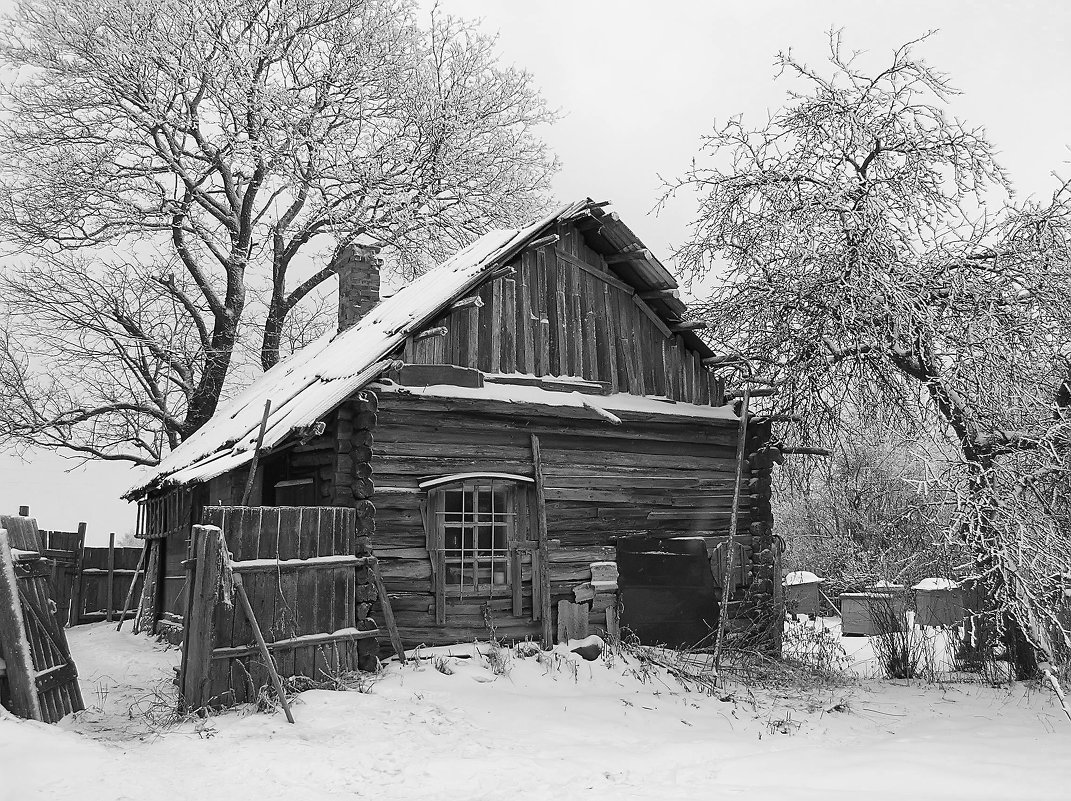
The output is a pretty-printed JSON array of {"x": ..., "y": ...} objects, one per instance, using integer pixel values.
[
  {"x": 668, "y": 477},
  {"x": 563, "y": 313}
]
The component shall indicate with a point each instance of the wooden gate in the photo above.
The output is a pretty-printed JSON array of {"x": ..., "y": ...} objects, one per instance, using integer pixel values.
[
  {"x": 42, "y": 681},
  {"x": 300, "y": 572},
  {"x": 64, "y": 550}
]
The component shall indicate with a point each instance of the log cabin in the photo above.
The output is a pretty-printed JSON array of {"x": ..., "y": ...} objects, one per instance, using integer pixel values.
[{"x": 532, "y": 439}]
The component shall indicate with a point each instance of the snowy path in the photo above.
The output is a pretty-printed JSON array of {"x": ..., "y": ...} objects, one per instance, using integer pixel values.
[{"x": 546, "y": 730}]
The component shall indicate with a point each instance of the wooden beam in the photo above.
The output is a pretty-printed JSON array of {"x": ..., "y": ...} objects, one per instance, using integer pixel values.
[
  {"x": 256, "y": 455},
  {"x": 75, "y": 616},
  {"x": 800, "y": 451},
  {"x": 388, "y": 612},
  {"x": 111, "y": 577},
  {"x": 473, "y": 301},
  {"x": 133, "y": 581},
  {"x": 603, "y": 276},
  {"x": 541, "y": 537},
  {"x": 755, "y": 393},
  {"x": 688, "y": 325},
  {"x": 261, "y": 646},
  {"x": 439, "y": 331},
  {"x": 658, "y": 294},
  {"x": 630, "y": 255},
  {"x": 551, "y": 239},
  {"x": 722, "y": 359},
  {"x": 659, "y": 323}
]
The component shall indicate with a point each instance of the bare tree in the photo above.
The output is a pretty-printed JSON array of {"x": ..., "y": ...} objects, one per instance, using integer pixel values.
[
  {"x": 219, "y": 147},
  {"x": 874, "y": 267}
]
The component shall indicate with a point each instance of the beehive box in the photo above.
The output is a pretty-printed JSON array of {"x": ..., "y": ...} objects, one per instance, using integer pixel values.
[
  {"x": 938, "y": 603},
  {"x": 862, "y": 612},
  {"x": 802, "y": 592}
]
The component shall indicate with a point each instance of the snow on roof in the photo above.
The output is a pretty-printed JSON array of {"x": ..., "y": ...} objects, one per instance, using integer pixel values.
[
  {"x": 801, "y": 577},
  {"x": 935, "y": 584},
  {"x": 325, "y": 372},
  {"x": 618, "y": 401}
]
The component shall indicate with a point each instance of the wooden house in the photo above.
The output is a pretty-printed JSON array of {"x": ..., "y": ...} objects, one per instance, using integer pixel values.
[{"x": 532, "y": 422}]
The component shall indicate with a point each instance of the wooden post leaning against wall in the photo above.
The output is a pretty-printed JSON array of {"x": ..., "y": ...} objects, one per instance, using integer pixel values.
[
  {"x": 145, "y": 619},
  {"x": 543, "y": 576},
  {"x": 15, "y": 645},
  {"x": 200, "y": 635}
]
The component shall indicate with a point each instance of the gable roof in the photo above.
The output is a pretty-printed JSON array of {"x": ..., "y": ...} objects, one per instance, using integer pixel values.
[{"x": 315, "y": 379}]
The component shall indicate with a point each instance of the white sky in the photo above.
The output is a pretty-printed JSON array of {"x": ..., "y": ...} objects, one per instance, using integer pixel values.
[{"x": 639, "y": 82}]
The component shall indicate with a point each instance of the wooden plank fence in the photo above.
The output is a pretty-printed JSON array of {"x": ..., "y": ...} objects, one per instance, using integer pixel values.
[
  {"x": 41, "y": 679},
  {"x": 300, "y": 572},
  {"x": 89, "y": 583}
]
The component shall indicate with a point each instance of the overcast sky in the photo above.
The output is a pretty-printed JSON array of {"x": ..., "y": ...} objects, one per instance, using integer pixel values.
[{"x": 637, "y": 84}]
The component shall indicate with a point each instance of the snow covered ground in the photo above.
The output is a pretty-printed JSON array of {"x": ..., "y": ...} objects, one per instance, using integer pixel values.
[{"x": 553, "y": 727}]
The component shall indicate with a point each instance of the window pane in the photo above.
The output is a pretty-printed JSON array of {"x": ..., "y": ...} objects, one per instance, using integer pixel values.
[
  {"x": 453, "y": 538},
  {"x": 452, "y": 502}
]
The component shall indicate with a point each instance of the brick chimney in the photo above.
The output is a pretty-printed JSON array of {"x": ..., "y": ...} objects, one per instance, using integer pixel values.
[{"x": 358, "y": 283}]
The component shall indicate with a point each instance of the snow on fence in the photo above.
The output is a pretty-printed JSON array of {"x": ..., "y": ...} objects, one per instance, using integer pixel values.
[{"x": 304, "y": 582}]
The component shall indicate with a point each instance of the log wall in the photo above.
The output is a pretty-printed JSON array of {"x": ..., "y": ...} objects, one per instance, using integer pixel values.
[
  {"x": 670, "y": 476},
  {"x": 563, "y": 313}
]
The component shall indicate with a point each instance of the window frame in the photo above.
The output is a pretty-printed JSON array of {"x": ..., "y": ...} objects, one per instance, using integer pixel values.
[{"x": 434, "y": 514}]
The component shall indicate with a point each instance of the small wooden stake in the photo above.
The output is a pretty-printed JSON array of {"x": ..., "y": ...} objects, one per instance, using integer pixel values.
[
  {"x": 256, "y": 456},
  {"x": 261, "y": 645},
  {"x": 388, "y": 613},
  {"x": 75, "y": 616},
  {"x": 109, "y": 609},
  {"x": 133, "y": 581}
]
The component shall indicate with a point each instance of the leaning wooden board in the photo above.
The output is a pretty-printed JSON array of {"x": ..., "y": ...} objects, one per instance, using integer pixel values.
[{"x": 37, "y": 635}]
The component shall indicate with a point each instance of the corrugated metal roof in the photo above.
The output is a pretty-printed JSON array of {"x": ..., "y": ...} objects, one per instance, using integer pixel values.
[{"x": 314, "y": 380}]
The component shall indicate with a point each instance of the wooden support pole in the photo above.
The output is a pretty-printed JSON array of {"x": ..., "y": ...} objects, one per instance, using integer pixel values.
[
  {"x": 256, "y": 454},
  {"x": 388, "y": 612},
  {"x": 111, "y": 578},
  {"x": 21, "y": 676},
  {"x": 133, "y": 582},
  {"x": 541, "y": 533},
  {"x": 75, "y": 616},
  {"x": 265, "y": 654},
  {"x": 734, "y": 521}
]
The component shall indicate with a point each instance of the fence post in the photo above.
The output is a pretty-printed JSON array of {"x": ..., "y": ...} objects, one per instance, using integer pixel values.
[
  {"x": 21, "y": 676},
  {"x": 197, "y": 656},
  {"x": 111, "y": 578},
  {"x": 76, "y": 590}
]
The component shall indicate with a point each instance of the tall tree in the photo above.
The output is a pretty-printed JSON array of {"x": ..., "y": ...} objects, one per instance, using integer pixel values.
[
  {"x": 162, "y": 159},
  {"x": 873, "y": 267}
]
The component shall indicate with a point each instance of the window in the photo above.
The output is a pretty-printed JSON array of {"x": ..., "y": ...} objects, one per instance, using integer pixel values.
[
  {"x": 475, "y": 519},
  {"x": 476, "y": 531}
]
